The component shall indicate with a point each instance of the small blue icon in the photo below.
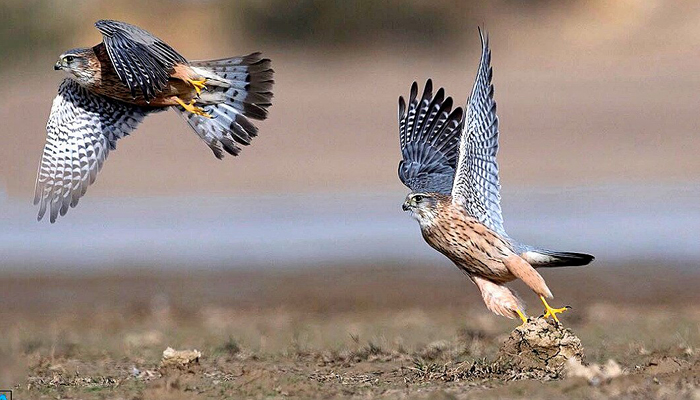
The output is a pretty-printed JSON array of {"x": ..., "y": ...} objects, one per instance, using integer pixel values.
[
  {"x": 3, "y": 397},
  {"x": 5, "y": 394}
]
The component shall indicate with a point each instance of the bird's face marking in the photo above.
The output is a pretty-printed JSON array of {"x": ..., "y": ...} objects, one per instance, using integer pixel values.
[
  {"x": 77, "y": 63},
  {"x": 69, "y": 61},
  {"x": 421, "y": 206}
]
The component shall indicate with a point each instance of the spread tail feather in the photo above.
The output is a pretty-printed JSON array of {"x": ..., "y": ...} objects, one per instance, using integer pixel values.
[{"x": 237, "y": 90}]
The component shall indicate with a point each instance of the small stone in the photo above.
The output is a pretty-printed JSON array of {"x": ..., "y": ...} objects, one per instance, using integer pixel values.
[
  {"x": 179, "y": 358},
  {"x": 595, "y": 374}
]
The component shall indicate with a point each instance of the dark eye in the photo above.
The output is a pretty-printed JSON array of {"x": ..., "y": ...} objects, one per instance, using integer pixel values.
[
  {"x": 69, "y": 59},
  {"x": 418, "y": 198}
]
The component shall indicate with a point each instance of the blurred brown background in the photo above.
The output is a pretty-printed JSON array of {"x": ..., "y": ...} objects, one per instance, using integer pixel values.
[
  {"x": 597, "y": 106},
  {"x": 588, "y": 92}
]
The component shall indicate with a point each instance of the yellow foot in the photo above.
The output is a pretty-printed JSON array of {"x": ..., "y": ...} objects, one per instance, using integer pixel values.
[
  {"x": 552, "y": 312},
  {"x": 192, "y": 108},
  {"x": 522, "y": 316},
  {"x": 198, "y": 85}
]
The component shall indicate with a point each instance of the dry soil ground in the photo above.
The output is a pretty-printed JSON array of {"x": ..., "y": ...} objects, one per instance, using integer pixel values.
[{"x": 385, "y": 332}]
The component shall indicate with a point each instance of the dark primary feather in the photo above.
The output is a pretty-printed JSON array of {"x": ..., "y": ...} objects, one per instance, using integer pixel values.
[
  {"x": 543, "y": 258},
  {"x": 476, "y": 184},
  {"x": 248, "y": 96},
  {"x": 429, "y": 137},
  {"x": 82, "y": 128},
  {"x": 142, "y": 61},
  {"x": 564, "y": 259}
]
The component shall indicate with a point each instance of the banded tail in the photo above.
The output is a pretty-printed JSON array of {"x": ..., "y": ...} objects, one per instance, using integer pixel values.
[{"x": 237, "y": 90}]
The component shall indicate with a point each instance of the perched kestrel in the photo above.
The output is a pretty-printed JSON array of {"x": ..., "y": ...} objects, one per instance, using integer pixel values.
[
  {"x": 115, "y": 84},
  {"x": 449, "y": 163}
]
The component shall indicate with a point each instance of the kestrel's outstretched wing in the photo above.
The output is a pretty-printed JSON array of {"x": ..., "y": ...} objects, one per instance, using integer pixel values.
[
  {"x": 476, "y": 186},
  {"x": 82, "y": 129},
  {"x": 429, "y": 137},
  {"x": 142, "y": 61}
]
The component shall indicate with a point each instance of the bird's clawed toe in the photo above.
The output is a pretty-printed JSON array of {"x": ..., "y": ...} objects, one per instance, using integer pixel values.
[
  {"x": 522, "y": 316},
  {"x": 192, "y": 108},
  {"x": 198, "y": 85},
  {"x": 552, "y": 312}
]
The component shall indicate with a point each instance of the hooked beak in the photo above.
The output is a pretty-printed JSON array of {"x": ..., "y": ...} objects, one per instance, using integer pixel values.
[
  {"x": 405, "y": 206},
  {"x": 57, "y": 66}
]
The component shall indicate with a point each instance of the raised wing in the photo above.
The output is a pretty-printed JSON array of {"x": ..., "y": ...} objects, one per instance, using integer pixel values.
[
  {"x": 429, "y": 136},
  {"x": 81, "y": 131},
  {"x": 476, "y": 185},
  {"x": 142, "y": 61}
]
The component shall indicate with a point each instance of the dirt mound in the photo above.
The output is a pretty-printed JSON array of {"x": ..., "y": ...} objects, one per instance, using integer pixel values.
[{"x": 538, "y": 349}]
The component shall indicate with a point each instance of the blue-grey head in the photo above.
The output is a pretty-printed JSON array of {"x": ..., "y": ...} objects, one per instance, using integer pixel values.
[{"x": 79, "y": 63}]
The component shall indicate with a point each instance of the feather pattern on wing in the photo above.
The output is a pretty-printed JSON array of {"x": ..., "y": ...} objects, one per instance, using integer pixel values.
[
  {"x": 476, "y": 186},
  {"x": 429, "y": 139},
  {"x": 82, "y": 129},
  {"x": 142, "y": 61}
]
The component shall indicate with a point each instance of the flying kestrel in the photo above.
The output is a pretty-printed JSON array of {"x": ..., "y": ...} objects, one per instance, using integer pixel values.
[
  {"x": 115, "y": 84},
  {"x": 449, "y": 163}
]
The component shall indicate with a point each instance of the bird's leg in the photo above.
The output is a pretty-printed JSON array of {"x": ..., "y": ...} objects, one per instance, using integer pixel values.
[
  {"x": 192, "y": 108},
  {"x": 522, "y": 316},
  {"x": 198, "y": 85},
  {"x": 552, "y": 312},
  {"x": 499, "y": 299}
]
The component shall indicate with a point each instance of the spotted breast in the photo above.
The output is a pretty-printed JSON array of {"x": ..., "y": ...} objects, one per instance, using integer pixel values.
[{"x": 473, "y": 247}]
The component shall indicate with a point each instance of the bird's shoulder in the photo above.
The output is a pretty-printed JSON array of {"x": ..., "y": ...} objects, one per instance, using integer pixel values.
[{"x": 107, "y": 82}]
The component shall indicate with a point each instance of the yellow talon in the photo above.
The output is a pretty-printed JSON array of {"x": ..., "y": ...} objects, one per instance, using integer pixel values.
[
  {"x": 552, "y": 312},
  {"x": 198, "y": 85},
  {"x": 192, "y": 108},
  {"x": 522, "y": 316}
]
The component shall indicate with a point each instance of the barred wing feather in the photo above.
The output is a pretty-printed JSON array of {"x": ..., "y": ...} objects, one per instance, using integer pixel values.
[
  {"x": 82, "y": 129},
  {"x": 429, "y": 139},
  {"x": 476, "y": 186},
  {"x": 141, "y": 60}
]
